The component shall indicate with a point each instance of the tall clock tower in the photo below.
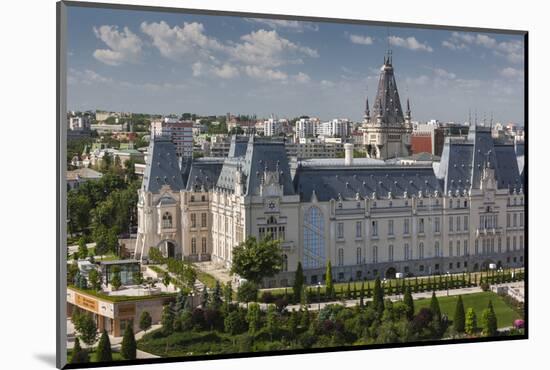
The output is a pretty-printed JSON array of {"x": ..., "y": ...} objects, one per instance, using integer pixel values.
[{"x": 387, "y": 132}]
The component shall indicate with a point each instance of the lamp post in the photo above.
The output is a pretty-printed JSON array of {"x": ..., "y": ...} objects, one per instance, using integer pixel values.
[{"x": 447, "y": 282}]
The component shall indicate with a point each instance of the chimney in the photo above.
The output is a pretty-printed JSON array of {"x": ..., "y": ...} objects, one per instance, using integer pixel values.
[{"x": 348, "y": 151}]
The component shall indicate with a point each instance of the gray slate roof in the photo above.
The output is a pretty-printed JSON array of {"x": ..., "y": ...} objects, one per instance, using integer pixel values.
[
  {"x": 204, "y": 173},
  {"x": 387, "y": 100},
  {"x": 162, "y": 167}
]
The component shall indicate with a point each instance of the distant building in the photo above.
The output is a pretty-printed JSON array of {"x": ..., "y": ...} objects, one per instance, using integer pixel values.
[
  {"x": 80, "y": 176},
  {"x": 272, "y": 127},
  {"x": 306, "y": 127},
  {"x": 180, "y": 132},
  {"x": 427, "y": 138}
]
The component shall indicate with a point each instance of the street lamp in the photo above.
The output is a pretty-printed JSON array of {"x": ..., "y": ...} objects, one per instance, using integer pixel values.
[
  {"x": 319, "y": 295},
  {"x": 447, "y": 282}
]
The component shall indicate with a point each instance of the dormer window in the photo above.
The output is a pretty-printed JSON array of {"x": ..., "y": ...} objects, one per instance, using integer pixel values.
[
  {"x": 340, "y": 205},
  {"x": 167, "y": 221},
  {"x": 192, "y": 198}
]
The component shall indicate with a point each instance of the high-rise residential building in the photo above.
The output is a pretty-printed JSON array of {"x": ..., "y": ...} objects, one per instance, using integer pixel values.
[{"x": 179, "y": 132}]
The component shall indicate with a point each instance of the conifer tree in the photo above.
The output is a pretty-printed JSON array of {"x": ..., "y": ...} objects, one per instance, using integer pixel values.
[
  {"x": 304, "y": 321},
  {"x": 471, "y": 322},
  {"x": 298, "y": 283},
  {"x": 409, "y": 303},
  {"x": 362, "y": 295},
  {"x": 459, "y": 319},
  {"x": 217, "y": 296},
  {"x": 103, "y": 352},
  {"x": 328, "y": 279},
  {"x": 204, "y": 298},
  {"x": 378, "y": 297},
  {"x": 79, "y": 355},
  {"x": 128, "y": 348},
  {"x": 489, "y": 321},
  {"x": 434, "y": 307}
]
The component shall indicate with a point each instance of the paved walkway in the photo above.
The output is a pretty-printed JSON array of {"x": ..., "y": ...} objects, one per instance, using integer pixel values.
[{"x": 218, "y": 272}]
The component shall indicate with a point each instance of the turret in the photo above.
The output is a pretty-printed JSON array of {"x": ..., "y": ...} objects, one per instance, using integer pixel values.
[
  {"x": 367, "y": 111},
  {"x": 408, "y": 113}
]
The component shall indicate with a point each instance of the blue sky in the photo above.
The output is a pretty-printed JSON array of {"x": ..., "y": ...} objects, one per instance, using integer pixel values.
[{"x": 164, "y": 63}]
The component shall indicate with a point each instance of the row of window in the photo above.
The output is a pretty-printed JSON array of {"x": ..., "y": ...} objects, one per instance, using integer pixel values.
[
  {"x": 456, "y": 249},
  {"x": 512, "y": 219},
  {"x": 194, "y": 245},
  {"x": 406, "y": 226},
  {"x": 204, "y": 218}
]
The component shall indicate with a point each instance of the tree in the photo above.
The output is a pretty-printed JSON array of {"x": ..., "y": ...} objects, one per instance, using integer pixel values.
[
  {"x": 459, "y": 317},
  {"x": 72, "y": 271},
  {"x": 204, "y": 298},
  {"x": 409, "y": 303},
  {"x": 255, "y": 260},
  {"x": 82, "y": 248},
  {"x": 253, "y": 318},
  {"x": 362, "y": 295},
  {"x": 94, "y": 279},
  {"x": 166, "y": 279},
  {"x": 155, "y": 256},
  {"x": 115, "y": 279},
  {"x": 233, "y": 322},
  {"x": 272, "y": 324},
  {"x": 103, "y": 352},
  {"x": 293, "y": 323},
  {"x": 298, "y": 282},
  {"x": 434, "y": 307},
  {"x": 489, "y": 321},
  {"x": 378, "y": 297},
  {"x": 137, "y": 277},
  {"x": 227, "y": 297},
  {"x": 128, "y": 349},
  {"x": 247, "y": 292},
  {"x": 167, "y": 320},
  {"x": 217, "y": 296},
  {"x": 87, "y": 329},
  {"x": 145, "y": 321},
  {"x": 471, "y": 322},
  {"x": 305, "y": 320},
  {"x": 79, "y": 355},
  {"x": 328, "y": 278}
]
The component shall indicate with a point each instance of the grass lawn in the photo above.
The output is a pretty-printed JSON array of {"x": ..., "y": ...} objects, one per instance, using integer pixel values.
[
  {"x": 206, "y": 279},
  {"x": 478, "y": 301},
  {"x": 116, "y": 356}
]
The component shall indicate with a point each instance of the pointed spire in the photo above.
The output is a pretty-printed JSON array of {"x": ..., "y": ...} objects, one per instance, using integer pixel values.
[{"x": 408, "y": 107}]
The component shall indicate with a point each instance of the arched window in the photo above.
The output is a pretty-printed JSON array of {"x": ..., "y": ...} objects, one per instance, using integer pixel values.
[
  {"x": 285, "y": 262},
  {"x": 314, "y": 238},
  {"x": 421, "y": 250},
  {"x": 167, "y": 221}
]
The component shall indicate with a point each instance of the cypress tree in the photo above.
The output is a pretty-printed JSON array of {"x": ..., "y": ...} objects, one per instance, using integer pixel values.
[
  {"x": 459, "y": 320},
  {"x": 471, "y": 322},
  {"x": 204, "y": 298},
  {"x": 348, "y": 293},
  {"x": 489, "y": 321},
  {"x": 378, "y": 297},
  {"x": 217, "y": 296},
  {"x": 128, "y": 348},
  {"x": 328, "y": 279},
  {"x": 79, "y": 355},
  {"x": 434, "y": 307},
  {"x": 362, "y": 295},
  {"x": 369, "y": 292},
  {"x": 103, "y": 352},
  {"x": 409, "y": 303},
  {"x": 304, "y": 322},
  {"x": 298, "y": 282}
]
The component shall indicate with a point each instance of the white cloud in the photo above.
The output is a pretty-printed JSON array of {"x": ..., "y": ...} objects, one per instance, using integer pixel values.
[
  {"x": 511, "y": 50},
  {"x": 297, "y": 26},
  {"x": 268, "y": 49},
  {"x": 410, "y": 43},
  {"x": 265, "y": 73},
  {"x": 124, "y": 46},
  {"x": 361, "y": 40},
  {"x": 327, "y": 83},
  {"x": 302, "y": 77},
  {"x": 178, "y": 42},
  {"x": 510, "y": 72},
  {"x": 440, "y": 72},
  {"x": 226, "y": 71},
  {"x": 420, "y": 80}
]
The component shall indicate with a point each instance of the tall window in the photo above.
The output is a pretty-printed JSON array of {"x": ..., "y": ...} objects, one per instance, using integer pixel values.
[
  {"x": 476, "y": 247},
  {"x": 203, "y": 219},
  {"x": 436, "y": 249},
  {"x": 514, "y": 240},
  {"x": 521, "y": 242},
  {"x": 375, "y": 254},
  {"x": 466, "y": 251},
  {"x": 358, "y": 256},
  {"x": 314, "y": 238},
  {"x": 507, "y": 244},
  {"x": 521, "y": 219},
  {"x": 450, "y": 223},
  {"x": 507, "y": 220},
  {"x": 340, "y": 256},
  {"x": 465, "y": 223},
  {"x": 390, "y": 253},
  {"x": 340, "y": 230},
  {"x": 358, "y": 229},
  {"x": 167, "y": 221},
  {"x": 193, "y": 220},
  {"x": 407, "y": 252},
  {"x": 458, "y": 248},
  {"x": 203, "y": 245},
  {"x": 390, "y": 227},
  {"x": 421, "y": 225},
  {"x": 457, "y": 223},
  {"x": 499, "y": 245},
  {"x": 421, "y": 250},
  {"x": 450, "y": 248},
  {"x": 406, "y": 226},
  {"x": 193, "y": 245},
  {"x": 436, "y": 225},
  {"x": 285, "y": 262},
  {"x": 492, "y": 245},
  {"x": 374, "y": 228}
]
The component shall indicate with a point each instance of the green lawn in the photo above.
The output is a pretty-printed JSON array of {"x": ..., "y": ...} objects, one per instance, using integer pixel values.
[
  {"x": 116, "y": 356},
  {"x": 206, "y": 279},
  {"x": 478, "y": 301}
]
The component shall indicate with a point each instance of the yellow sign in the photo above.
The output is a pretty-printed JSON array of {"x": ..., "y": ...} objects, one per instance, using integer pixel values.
[
  {"x": 87, "y": 303},
  {"x": 127, "y": 310}
]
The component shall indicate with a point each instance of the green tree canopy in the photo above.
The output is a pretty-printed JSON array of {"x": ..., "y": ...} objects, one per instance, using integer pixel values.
[
  {"x": 459, "y": 320},
  {"x": 103, "y": 352},
  {"x": 128, "y": 349},
  {"x": 255, "y": 260}
]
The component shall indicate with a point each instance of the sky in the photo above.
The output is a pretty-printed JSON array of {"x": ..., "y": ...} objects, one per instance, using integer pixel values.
[{"x": 163, "y": 63}]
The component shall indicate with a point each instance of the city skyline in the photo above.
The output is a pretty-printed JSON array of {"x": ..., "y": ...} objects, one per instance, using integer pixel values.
[{"x": 147, "y": 62}]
